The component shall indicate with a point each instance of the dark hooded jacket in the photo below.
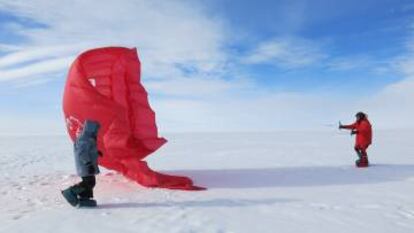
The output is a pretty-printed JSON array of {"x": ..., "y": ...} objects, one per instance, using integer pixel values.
[{"x": 86, "y": 151}]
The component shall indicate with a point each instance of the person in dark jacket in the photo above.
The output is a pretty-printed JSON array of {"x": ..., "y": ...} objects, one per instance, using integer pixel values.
[
  {"x": 363, "y": 130},
  {"x": 86, "y": 160}
]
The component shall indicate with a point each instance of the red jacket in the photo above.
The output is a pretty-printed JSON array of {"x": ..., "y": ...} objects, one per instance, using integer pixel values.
[{"x": 364, "y": 132}]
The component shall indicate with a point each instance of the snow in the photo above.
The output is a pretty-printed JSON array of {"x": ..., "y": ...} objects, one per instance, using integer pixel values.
[{"x": 258, "y": 182}]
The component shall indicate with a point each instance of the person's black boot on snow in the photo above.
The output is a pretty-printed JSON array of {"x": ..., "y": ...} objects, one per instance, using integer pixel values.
[
  {"x": 87, "y": 202},
  {"x": 363, "y": 162},
  {"x": 70, "y": 196},
  {"x": 79, "y": 196}
]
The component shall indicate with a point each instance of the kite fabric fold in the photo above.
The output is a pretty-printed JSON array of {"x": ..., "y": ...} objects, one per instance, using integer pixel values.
[{"x": 104, "y": 85}]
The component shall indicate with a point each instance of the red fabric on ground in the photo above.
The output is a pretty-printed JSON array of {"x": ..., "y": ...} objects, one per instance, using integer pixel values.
[{"x": 104, "y": 85}]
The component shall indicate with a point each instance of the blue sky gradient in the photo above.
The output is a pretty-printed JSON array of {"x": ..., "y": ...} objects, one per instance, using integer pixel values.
[
  {"x": 377, "y": 30},
  {"x": 206, "y": 62}
]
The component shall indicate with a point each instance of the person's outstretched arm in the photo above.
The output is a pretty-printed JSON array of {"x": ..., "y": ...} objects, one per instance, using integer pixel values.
[{"x": 351, "y": 126}]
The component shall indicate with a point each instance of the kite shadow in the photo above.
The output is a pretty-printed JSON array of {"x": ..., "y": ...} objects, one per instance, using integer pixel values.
[
  {"x": 199, "y": 203},
  {"x": 298, "y": 176}
]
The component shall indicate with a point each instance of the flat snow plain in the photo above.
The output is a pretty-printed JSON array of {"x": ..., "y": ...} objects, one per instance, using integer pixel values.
[{"x": 257, "y": 182}]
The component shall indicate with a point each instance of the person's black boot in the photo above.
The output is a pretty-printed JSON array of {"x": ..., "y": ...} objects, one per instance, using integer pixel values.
[
  {"x": 70, "y": 196},
  {"x": 87, "y": 202},
  {"x": 363, "y": 162},
  {"x": 72, "y": 193}
]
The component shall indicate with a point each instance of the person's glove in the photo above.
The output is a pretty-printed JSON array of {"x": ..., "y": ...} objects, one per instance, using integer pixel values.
[
  {"x": 341, "y": 126},
  {"x": 354, "y": 132}
]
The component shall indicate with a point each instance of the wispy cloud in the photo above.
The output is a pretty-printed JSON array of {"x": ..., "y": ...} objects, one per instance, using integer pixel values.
[
  {"x": 405, "y": 64},
  {"x": 350, "y": 63},
  {"x": 184, "y": 60},
  {"x": 44, "y": 67},
  {"x": 167, "y": 34},
  {"x": 190, "y": 87},
  {"x": 257, "y": 112},
  {"x": 393, "y": 106},
  {"x": 358, "y": 63},
  {"x": 8, "y": 48},
  {"x": 25, "y": 56},
  {"x": 286, "y": 53}
]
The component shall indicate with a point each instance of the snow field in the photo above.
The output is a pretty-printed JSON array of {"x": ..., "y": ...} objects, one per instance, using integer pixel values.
[{"x": 258, "y": 182}]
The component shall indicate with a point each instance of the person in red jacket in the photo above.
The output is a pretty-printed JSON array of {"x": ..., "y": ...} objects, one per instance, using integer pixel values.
[{"x": 363, "y": 130}]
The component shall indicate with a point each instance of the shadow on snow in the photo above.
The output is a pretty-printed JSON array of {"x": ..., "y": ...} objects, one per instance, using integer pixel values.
[
  {"x": 200, "y": 203},
  {"x": 276, "y": 177},
  {"x": 298, "y": 176}
]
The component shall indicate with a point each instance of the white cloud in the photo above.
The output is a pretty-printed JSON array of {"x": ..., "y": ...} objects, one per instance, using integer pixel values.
[
  {"x": 27, "y": 55},
  {"x": 198, "y": 87},
  {"x": 173, "y": 36},
  {"x": 166, "y": 33},
  {"x": 350, "y": 63},
  {"x": 260, "y": 112},
  {"x": 179, "y": 45},
  {"x": 393, "y": 106},
  {"x": 286, "y": 52},
  {"x": 44, "y": 68},
  {"x": 390, "y": 108},
  {"x": 405, "y": 64},
  {"x": 8, "y": 48},
  {"x": 33, "y": 82}
]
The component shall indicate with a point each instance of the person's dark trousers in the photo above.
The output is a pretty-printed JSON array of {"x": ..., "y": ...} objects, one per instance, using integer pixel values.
[
  {"x": 361, "y": 152},
  {"x": 363, "y": 156},
  {"x": 86, "y": 187}
]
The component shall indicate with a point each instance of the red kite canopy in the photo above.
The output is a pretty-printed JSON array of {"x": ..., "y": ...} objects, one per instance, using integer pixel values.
[{"x": 104, "y": 85}]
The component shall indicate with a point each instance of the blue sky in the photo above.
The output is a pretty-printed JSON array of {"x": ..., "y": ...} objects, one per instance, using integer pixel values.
[
  {"x": 375, "y": 31},
  {"x": 218, "y": 64}
]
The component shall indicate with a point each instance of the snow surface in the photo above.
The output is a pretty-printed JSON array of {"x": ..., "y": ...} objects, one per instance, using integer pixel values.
[{"x": 258, "y": 182}]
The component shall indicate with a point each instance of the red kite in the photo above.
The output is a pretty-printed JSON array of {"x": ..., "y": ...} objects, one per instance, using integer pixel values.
[{"x": 104, "y": 85}]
